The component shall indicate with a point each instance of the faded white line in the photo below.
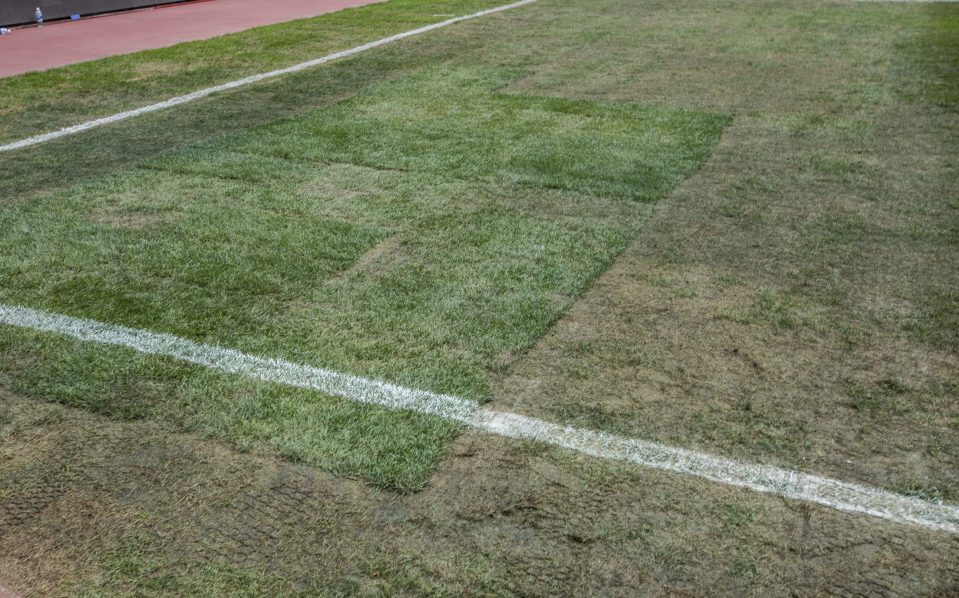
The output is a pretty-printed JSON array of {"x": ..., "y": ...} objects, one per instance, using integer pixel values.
[
  {"x": 795, "y": 485},
  {"x": 196, "y": 95}
]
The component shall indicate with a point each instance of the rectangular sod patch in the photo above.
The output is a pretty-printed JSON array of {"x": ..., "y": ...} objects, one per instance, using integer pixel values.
[{"x": 425, "y": 232}]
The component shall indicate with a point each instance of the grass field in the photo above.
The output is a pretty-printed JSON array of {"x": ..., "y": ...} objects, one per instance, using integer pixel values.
[
  {"x": 376, "y": 237},
  {"x": 731, "y": 227}
]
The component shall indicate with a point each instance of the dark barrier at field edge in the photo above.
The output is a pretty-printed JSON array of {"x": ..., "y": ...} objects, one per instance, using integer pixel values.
[{"x": 17, "y": 12}]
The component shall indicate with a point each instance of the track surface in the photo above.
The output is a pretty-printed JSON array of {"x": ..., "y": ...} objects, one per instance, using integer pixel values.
[{"x": 70, "y": 42}]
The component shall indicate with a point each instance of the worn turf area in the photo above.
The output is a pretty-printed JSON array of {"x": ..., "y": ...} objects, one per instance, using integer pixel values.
[
  {"x": 789, "y": 299},
  {"x": 94, "y": 506},
  {"x": 794, "y": 302}
]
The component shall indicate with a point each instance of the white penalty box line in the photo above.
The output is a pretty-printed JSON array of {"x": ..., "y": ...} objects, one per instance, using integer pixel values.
[
  {"x": 196, "y": 95},
  {"x": 836, "y": 494}
]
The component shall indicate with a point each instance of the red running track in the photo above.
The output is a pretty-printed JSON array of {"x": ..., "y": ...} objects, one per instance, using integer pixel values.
[{"x": 69, "y": 42}]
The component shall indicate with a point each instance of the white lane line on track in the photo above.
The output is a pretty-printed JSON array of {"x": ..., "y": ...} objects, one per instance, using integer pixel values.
[
  {"x": 196, "y": 95},
  {"x": 795, "y": 485}
]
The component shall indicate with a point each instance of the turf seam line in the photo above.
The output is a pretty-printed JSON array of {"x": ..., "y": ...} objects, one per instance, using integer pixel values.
[
  {"x": 196, "y": 95},
  {"x": 836, "y": 494}
]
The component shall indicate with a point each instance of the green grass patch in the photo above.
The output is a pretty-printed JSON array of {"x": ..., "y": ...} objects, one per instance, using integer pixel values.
[
  {"x": 37, "y": 102},
  {"x": 418, "y": 233},
  {"x": 448, "y": 123},
  {"x": 937, "y": 320},
  {"x": 928, "y": 59}
]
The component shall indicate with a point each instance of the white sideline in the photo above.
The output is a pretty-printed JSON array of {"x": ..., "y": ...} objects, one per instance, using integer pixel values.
[
  {"x": 795, "y": 485},
  {"x": 196, "y": 95}
]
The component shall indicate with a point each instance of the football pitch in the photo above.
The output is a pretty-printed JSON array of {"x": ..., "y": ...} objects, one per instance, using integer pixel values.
[{"x": 454, "y": 296}]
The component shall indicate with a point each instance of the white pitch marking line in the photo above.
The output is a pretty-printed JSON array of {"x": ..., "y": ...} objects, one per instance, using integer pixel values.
[
  {"x": 235, "y": 362},
  {"x": 836, "y": 494},
  {"x": 196, "y": 95}
]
